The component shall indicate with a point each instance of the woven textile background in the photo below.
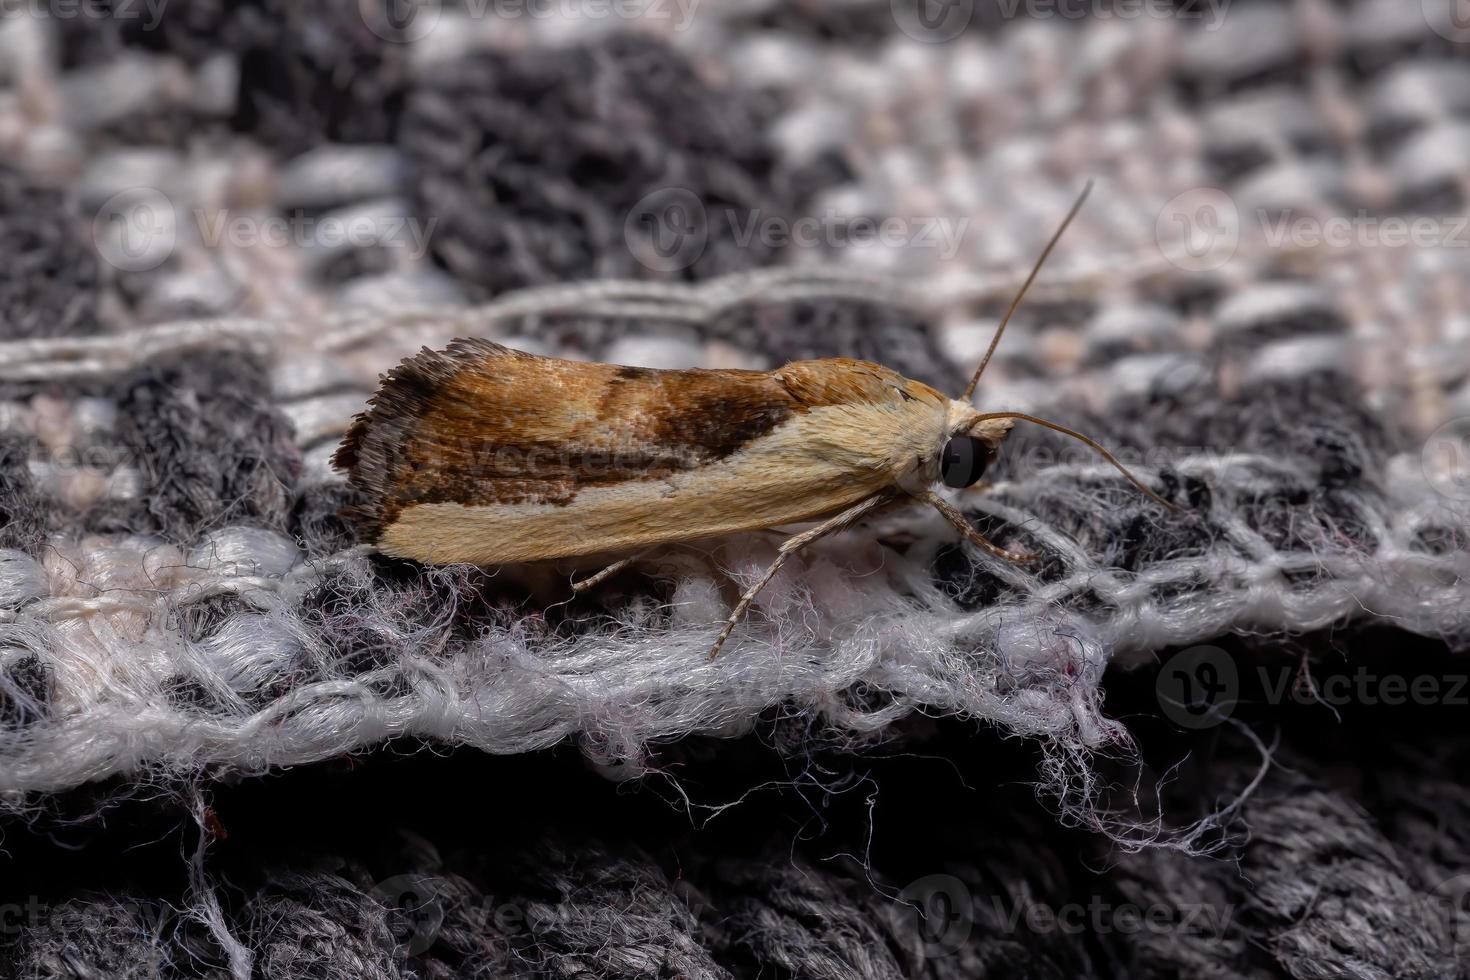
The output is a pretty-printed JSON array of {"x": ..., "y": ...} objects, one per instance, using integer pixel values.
[{"x": 1230, "y": 741}]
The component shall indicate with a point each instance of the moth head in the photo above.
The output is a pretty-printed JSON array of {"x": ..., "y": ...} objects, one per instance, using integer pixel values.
[{"x": 971, "y": 445}]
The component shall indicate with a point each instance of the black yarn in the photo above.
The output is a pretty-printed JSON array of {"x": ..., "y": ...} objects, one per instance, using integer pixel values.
[
  {"x": 571, "y": 934},
  {"x": 1326, "y": 879},
  {"x": 193, "y": 30},
  {"x": 1317, "y": 423},
  {"x": 25, "y": 685},
  {"x": 94, "y": 937},
  {"x": 25, "y": 512},
  {"x": 211, "y": 448},
  {"x": 316, "y": 924},
  {"x": 316, "y": 519},
  {"x": 855, "y": 25},
  {"x": 593, "y": 336},
  {"x": 50, "y": 283},
  {"x": 804, "y": 921},
  {"x": 355, "y": 263},
  {"x": 315, "y": 72},
  {"x": 1310, "y": 316},
  {"x": 533, "y": 165},
  {"x": 87, "y": 40},
  {"x": 163, "y": 125}
]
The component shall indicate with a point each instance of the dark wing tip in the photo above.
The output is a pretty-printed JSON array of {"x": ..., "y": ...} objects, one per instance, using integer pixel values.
[{"x": 372, "y": 448}]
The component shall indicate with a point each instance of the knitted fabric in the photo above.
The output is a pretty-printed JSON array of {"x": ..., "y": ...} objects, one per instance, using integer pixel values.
[{"x": 183, "y": 610}]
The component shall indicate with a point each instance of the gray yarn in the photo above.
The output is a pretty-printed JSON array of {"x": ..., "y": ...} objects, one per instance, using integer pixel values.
[
  {"x": 318, "y": 926},
  {"x": 211, "y": 451},
  {"x": 25, "y": 513},
  {"x": 49, "y": 286},
  {"x": 1312, "y": 890},
  {"x": 101, "y": 937},
  {"x": 1335, "y": 898},
  {"x": 558, "y": 178},
  {"x": 597, "y": 915},
  {"x": 807, "y": 922},
  {"x": 1205, "y": 892}
]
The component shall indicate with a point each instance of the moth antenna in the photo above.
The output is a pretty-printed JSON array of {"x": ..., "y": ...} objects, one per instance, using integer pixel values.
[
  {"x": 1020, "y": 295},
  {"x": 1084, "y": 439}
]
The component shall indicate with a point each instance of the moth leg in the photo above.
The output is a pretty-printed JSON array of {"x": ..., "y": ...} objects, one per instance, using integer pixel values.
[
  {"x": 790, "y": 547},
  {"x": 593, "y": 580},
  {"x": 973, "y": 536}
]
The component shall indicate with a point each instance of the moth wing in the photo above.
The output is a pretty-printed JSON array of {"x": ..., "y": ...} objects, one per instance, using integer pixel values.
[{"x": 487, "y": 455}]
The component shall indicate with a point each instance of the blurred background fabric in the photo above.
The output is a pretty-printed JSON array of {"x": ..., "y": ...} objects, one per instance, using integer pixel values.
[{"x": 1225, "y": 742}]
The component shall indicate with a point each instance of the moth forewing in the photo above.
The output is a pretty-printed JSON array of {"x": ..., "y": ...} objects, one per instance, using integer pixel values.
[{"x": 489, "y": 456}]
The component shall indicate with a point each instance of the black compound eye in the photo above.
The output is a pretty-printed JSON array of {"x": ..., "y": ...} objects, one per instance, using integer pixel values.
[{"x": 963, "y": 461}]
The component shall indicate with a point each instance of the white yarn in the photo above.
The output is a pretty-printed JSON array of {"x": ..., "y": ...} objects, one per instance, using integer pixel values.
[{"x": 106, "y": 620}]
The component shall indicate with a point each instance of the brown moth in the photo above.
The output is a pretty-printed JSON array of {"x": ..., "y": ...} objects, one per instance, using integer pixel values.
[{"x": 491, "y": 456}]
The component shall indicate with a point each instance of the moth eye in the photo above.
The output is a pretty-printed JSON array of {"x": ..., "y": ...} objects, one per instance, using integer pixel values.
[{"x": 963, "y": 461}]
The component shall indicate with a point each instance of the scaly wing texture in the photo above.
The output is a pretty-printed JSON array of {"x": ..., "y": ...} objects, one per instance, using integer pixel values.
[{"x": 484, "y": 454}]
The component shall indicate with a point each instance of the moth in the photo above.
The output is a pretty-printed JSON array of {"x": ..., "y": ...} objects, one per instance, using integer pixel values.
[{"x": 490, "y": 456}]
